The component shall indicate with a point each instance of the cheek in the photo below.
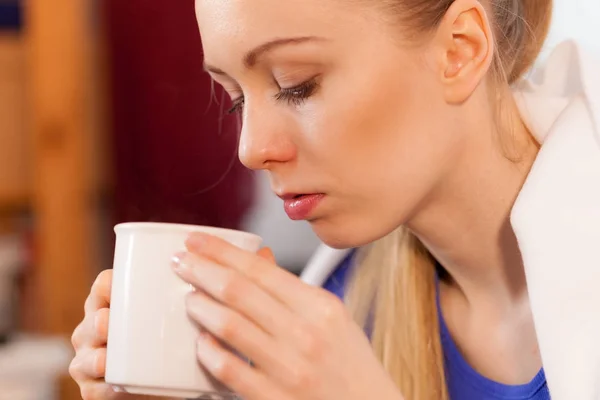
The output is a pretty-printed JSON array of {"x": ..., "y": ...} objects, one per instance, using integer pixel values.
[
  {"x": 382, "y": 149},
  {"x": 372, "y": 128}
]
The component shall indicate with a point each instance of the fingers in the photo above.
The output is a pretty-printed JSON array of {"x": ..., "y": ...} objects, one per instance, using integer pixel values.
[
  {"x": 100, "y": 294},
  {"x": 268, "y": 354},
  {"x": 239, "y": 376},
  {"x": 231, "y": 327},
  {"x": 93, "y": 331},
  {"x": 88, "y": 365},
  {"x": 234, "y": 290},
  {"x": 89, "y": 340},
  {"x": 100, "y": 327},
  {"x": 98, "y": 390},
  {"x": 272, "y": 355},
  {"x": 276, "y": 281}
]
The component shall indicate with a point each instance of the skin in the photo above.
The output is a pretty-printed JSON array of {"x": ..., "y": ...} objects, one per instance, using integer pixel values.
[{"x": 418, "y": 117}]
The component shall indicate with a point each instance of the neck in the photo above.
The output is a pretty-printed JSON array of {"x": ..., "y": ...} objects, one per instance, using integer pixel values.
[{"x": 465, "y": 222}]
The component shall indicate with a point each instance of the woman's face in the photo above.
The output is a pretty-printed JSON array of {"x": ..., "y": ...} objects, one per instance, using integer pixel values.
[{"x": 335, "y": 106}]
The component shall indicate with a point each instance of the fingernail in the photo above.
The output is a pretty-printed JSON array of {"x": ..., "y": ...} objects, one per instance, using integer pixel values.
[{"x": 178, "y": 261}]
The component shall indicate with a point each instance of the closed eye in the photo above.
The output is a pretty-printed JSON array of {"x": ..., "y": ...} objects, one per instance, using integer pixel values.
[
  {"x": 297, "y": 94},
  {"x": 294, "y": 95},
  {"x": 238, "y": 105}
]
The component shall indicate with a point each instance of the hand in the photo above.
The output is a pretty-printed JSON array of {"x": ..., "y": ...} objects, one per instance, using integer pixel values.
[
  {"x": 303, "y": 343},
  {"x": 89, "y": 341}
]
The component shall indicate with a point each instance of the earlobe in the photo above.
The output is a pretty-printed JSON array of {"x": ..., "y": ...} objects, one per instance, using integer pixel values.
[{"x": 468, "y": 49}]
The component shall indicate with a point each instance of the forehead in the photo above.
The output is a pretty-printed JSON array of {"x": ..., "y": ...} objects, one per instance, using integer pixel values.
[{"x": 239, "y": 25}]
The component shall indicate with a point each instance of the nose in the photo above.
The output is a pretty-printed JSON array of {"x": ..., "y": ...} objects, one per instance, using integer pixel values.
[{"x": 265, "y": 141}]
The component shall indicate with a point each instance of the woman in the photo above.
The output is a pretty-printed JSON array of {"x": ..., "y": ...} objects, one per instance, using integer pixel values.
[{"x": 397, "y": 127}]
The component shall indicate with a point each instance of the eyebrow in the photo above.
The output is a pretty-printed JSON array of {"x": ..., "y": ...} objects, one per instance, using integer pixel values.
[{"x": 252, "y": 57}]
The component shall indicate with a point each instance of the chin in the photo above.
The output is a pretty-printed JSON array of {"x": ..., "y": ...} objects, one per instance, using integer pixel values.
[{"x": 341, "y": 235}]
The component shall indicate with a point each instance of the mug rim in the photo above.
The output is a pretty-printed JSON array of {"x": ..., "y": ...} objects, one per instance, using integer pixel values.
[{"x": 188, "y": 228}]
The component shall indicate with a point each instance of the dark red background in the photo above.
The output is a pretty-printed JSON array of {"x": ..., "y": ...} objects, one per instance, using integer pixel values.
[{"x": 174, "y": 151}]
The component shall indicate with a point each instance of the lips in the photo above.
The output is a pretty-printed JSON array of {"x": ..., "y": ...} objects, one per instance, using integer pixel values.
[{"x": 301, "y": 206}]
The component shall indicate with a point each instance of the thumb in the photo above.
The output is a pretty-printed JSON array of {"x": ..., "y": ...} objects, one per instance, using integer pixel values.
[{"x": 267, "y": 254}]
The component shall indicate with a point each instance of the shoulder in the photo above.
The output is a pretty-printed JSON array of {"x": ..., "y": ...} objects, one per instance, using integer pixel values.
[
  {"x": 560, "y": 104},
  {"x": 567, "y": 79},
  {"x": 556, "y": 217}
]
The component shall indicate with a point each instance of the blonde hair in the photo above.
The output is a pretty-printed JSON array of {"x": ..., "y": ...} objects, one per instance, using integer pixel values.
[{"x": 392, "y": 292}]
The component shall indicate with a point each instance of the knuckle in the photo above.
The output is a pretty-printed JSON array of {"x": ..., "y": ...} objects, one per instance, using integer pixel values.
[
  {"x": 332, "y": 310},
  {"x": 311, "y": 343},
  {"x": 224, "y": 370},
  {"x": 105, "y": 276},
  {"x": 101, "y": 319},
  {"x": 255, "y": 268},
  {"x": 98, "y": 281},
  {"x": 102, "y": 283},
  {"x": 76, "y": 337},
  {"x": 98, "y": 363},
  {"x": 89, "y": 392},
  {"x": 302, "y": 379},
  {"x": 231, "y": 290},
  {"x": 89, "y": 301},
  {"x": 228, "y": 327},
  {"x": 74, "y": 369}
]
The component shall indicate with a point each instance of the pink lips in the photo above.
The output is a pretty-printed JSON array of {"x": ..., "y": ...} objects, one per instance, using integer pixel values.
[{"x": 300, "y": 207}]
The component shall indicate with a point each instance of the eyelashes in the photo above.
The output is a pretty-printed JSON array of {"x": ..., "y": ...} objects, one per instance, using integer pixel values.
[
  {"x": 297, "y": 94},
  {"x": 294, "y": 96},
  {"x": 238, "y": 106}
]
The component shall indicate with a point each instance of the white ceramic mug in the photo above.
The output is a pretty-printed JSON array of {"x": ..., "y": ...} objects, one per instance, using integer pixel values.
[{"x": 151, "y": 340}]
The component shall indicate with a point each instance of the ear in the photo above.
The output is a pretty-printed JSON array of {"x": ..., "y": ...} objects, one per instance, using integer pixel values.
[{"x": 467, "y": 49}]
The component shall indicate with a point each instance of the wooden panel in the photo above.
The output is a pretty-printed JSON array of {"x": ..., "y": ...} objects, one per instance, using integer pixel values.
[
  {"x": 15, "y": 160},
  {"x": 60, "y": 76},
  {"x": 61, "y": 115}
]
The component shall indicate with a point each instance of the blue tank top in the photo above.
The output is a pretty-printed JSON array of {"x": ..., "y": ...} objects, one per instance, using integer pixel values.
[{"x": 464, "y": 383}]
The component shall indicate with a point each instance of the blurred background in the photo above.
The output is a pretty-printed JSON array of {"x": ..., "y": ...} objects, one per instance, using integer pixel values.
[{"x": 105, "y": 117}]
